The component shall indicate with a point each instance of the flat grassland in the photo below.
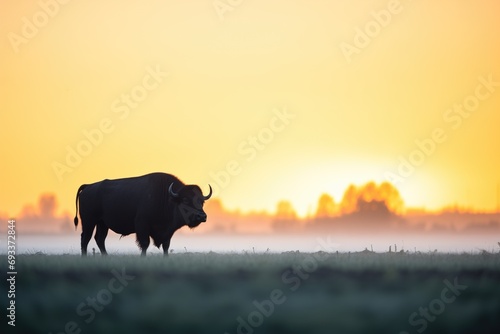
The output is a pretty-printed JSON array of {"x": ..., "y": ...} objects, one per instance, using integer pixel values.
[{"x": 257, "y": 293}]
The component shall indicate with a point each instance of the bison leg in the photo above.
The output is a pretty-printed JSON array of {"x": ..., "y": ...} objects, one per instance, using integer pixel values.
[
  {"x": 100, "y": 236},
  {"x": 143, "y": 242},
  {"x": 87, "y": 231},
  {"x": 143, "y": 245},
  {"x": 165, "y": 247},
  {"x": 142, "y": 235}
]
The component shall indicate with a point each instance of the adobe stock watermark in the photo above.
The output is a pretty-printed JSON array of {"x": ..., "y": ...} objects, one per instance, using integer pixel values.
[
  {"x": 249, "y": 148},
  {"x": 87, "y": 309},
  {"x": 121, "y": 108},
  {"x": 221, "y": 7},
  {"x": 421, "y": 319},
  {"x": 31, "y": 26},
  {"x": 454, "y": 117},
  {"x": 370, "y": 30},
  {"x": 292, "y": 279}
]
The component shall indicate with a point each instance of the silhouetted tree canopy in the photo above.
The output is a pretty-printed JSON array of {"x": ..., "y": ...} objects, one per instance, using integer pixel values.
[
  {"x": 326, "y": 207},
  {"x": 383, "y": 198},
  {"x": 285, "y": 211}
]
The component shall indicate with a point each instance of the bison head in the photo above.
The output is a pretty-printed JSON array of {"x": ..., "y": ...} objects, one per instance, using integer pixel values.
[{"x": 190, "y": 200}]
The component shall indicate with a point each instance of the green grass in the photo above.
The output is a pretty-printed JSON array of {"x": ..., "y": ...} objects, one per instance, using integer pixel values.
[{"x": 209, "y": 292}]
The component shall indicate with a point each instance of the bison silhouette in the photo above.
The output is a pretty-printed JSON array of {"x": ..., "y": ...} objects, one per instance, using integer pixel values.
[{"x": 151, "y": 206}]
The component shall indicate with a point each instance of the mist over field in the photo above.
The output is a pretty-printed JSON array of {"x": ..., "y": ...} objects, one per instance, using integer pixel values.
[{"x": 223, "y": 243}]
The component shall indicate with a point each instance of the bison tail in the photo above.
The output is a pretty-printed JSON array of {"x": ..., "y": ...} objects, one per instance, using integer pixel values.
[{"x": 83, "y": 186}]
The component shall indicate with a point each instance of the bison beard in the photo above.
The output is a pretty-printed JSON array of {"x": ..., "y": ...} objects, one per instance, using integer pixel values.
[{"x": 151, "y": 206}]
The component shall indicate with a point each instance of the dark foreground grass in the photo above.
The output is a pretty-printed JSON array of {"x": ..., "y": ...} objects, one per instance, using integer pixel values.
[{"x": 257, "y": 293}]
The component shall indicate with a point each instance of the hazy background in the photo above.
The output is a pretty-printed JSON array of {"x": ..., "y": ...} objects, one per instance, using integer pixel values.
[{"x": 213, "y": 112}]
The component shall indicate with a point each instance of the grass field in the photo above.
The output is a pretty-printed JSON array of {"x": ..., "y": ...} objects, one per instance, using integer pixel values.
[{"x": 257, "y": 293}]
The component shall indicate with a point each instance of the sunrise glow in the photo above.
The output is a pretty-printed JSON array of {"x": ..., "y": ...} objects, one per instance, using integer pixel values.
[{"x": 269, "y": 101}]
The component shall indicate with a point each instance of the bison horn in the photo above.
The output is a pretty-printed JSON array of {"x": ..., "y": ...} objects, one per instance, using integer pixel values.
[
  {"x": 209, "y": 194},
  {"x": 171, "y": 191}
]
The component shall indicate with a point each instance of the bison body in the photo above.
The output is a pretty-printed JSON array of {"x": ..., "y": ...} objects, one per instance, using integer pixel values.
[{"x": 151, "y": 206}]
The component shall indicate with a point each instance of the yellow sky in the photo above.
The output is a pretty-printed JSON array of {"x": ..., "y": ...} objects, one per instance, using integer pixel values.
[{"x": 288, "y": 96}]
